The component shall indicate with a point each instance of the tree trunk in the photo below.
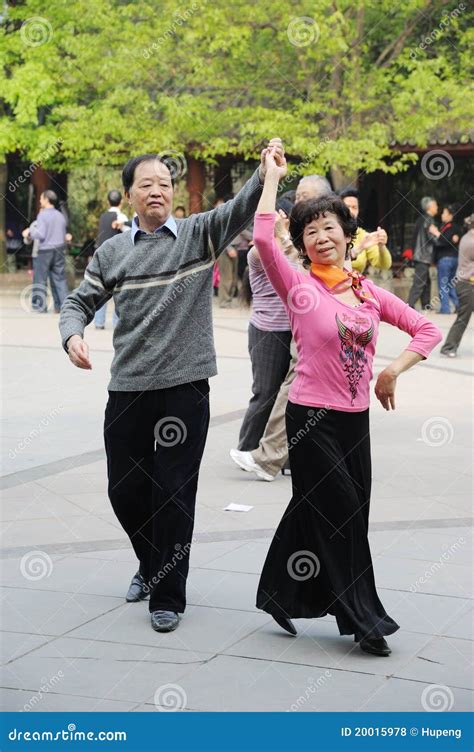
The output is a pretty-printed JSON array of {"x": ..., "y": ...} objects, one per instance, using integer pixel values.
[{"x": 196, "y": 184}]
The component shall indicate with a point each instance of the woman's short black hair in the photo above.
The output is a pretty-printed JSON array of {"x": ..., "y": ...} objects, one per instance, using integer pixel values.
[
  {"x": 128, "y": 172},
  {"x": 305, "y": 211}
]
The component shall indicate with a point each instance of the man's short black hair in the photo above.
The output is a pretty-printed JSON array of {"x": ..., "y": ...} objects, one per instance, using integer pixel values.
[
  {"x": 114, "y": 197},
  {"x": 305, "y": 211},
  {"x": 349, "y": 193},
  {"x": 51, "y": 196},
  {"x": 128, "y": 172}
]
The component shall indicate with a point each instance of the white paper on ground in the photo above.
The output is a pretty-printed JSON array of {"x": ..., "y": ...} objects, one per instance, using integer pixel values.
[{"x": 237, "y": 508}]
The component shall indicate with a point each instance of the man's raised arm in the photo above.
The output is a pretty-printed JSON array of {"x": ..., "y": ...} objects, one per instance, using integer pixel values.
[{"x": 228, "y": 220}]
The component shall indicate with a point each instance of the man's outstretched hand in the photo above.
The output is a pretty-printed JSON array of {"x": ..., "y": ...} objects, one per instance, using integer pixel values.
[{"x": 78, "y": 351}]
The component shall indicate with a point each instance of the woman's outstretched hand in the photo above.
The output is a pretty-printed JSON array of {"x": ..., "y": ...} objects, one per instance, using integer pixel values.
[
  {"x": 275, "y": 162},
  {"x": 385, "y": 388}
]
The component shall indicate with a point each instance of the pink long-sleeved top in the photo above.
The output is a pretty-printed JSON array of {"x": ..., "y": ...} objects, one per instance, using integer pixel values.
[{"x": 335, "y": 341}]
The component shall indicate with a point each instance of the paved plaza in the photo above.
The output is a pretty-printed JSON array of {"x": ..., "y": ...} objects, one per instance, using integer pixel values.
[{"x": 70, "y": 642}]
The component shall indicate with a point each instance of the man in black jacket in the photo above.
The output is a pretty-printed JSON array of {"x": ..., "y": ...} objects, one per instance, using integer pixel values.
[
  {"x": 111, "y": 223},
  {"x": 423, "y": 245}
]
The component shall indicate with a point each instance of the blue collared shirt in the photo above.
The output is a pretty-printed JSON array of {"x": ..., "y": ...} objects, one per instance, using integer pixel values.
[{"x": 170, "y": 224}]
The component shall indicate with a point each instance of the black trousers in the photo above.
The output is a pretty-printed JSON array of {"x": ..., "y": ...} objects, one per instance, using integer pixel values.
[
  {"x": 465, "y": 291},
  {"x": 270, "y": 356},
  {"x": 421, "y": 287},
  {"x": 154, "y": 442},
  {"x": 319, "y": 561}
]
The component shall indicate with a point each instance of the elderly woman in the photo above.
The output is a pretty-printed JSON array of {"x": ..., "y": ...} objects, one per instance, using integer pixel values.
[{"x": 319, "y": 561}]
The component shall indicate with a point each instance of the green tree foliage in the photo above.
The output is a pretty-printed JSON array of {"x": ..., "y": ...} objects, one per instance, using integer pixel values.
[{"x": 87, "y": 83}]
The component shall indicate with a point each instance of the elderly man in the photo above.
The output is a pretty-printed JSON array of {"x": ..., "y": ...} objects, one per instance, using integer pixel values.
[
  {"x": 157, "y": 415},
  {"x": 50, "y": 232}
]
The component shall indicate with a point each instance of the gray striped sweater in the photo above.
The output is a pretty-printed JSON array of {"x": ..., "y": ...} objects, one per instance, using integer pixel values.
[{"x": 162, "y": 291}]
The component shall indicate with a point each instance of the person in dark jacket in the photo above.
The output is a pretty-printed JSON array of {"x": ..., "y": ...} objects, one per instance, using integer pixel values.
[
  {"x": 446, "y": 257},
  {"x": 423, "y": 245},
  {"x": 111, "y": 222}
]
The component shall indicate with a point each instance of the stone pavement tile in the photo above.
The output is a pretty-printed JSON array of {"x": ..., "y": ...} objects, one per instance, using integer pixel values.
[
  {"x": 201, "y": 629},
  {"x": 15, "y": 700},
  {"x": 421, "y": 508},
  {"x": 36, "y": 533},
  {"x": 240, "y": 684},
  {"x": 209, "y": 587},
  {"x": 446, "y": 545},
  {"x": 437, "y": 485},
  {"x": 203, "y": 554},
  {"x": 319, "y": 644},
  {"x": 15, "y": 644},
  {"x": 89, "y": 501},
  {"x": 100, "y": 669},
  {"x": 42, "y": 612},
  {"x": 38, "y": 508},
  {"x": 426, "y": 577},
  {"x": 210, "y": 520},
  {"x": 28, "y": 491},
  {"x": 406, "y": 696},
  {"x": 462, "y": 626},
  {"x": 69, "y": 481},
  {"x": 444, "y": 660},
  {"x": 421, "y": 612},
  {"x": 248, "y": 558},
  {"x": 71, "y": 574}
]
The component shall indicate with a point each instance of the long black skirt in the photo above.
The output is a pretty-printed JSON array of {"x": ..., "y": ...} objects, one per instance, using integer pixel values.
[{"x": 319, "y": 561}]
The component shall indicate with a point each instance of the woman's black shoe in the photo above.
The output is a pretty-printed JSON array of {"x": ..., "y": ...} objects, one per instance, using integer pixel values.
[
  {"x": 285, "y": 623},
  {"x": 374, "y": 646}
]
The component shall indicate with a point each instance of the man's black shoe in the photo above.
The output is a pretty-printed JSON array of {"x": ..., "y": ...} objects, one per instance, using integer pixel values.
[
  {"x": 138, "y": 589},
  {"x": 375, "y": 646},
  {"x": 164, "y": 621}
]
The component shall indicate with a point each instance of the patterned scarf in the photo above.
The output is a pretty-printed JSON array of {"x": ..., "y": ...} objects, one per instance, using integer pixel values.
[{"x": 338, "y": 280}]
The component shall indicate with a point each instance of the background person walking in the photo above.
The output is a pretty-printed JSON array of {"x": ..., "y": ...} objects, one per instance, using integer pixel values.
[{"x": 50, "y": 230}]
